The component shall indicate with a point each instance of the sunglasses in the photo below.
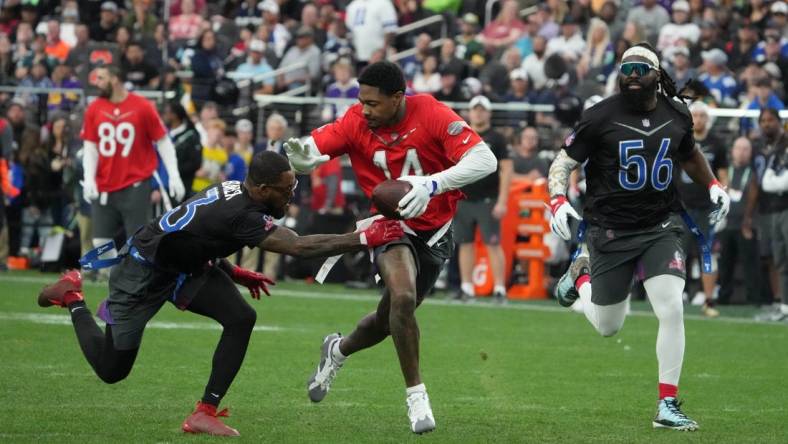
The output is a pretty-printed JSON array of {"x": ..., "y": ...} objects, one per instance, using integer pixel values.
[
  {"x": 286, "y": 190},
  {"x": 639, "y": 67}
]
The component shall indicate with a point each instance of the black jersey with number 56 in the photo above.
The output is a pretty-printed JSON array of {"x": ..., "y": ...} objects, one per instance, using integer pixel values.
[{"x": 631, "y": 159}]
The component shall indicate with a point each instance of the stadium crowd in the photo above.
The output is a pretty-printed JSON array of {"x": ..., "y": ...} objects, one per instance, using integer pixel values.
[{"x": 213, "y": 55}]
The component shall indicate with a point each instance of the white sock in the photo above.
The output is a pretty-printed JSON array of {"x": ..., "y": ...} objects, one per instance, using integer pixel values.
[
  {"x": 467, "y": 288},
  {"x": 664, "y": 293},
  {"x": 607, "y": 320},
  {"x": 499, "y": 289},
  {"x": 421, "y": 388},
  {"x": 336, "y": 353}
]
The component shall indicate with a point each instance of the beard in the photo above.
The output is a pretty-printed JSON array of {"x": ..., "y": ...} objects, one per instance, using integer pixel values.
[
  {"x": 637, "y": 98},
  {"x": 106, "y": 92},
  {"x": 278, "y": 212}
]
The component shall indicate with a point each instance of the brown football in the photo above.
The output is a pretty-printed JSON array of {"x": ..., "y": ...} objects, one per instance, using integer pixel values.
[{"x": 387, "y": 194}]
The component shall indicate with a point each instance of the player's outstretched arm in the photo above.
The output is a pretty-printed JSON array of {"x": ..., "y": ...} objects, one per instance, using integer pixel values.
[
  {"x": 286, "y": 241},
  {"x": 304, "y": 156},
  {"x": 558, "y": 182}
]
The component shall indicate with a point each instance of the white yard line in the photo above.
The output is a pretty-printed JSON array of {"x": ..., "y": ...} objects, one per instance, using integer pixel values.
[{"x": 317, "y": 294}]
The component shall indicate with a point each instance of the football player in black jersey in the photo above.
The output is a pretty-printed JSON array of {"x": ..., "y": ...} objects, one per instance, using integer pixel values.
[
  {"x": 631, "y": 142},
  {"x": 179, "y": 257}
]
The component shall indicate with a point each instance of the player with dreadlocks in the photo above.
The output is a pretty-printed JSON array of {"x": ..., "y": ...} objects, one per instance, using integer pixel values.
[{"x": 632, "y": 226}]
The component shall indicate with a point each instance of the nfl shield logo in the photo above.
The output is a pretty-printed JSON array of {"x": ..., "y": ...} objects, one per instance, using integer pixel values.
[{"x": 646, "y": 123}]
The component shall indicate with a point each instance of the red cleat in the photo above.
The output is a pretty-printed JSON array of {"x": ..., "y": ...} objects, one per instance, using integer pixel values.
[
  {"x": 205, "y": 419},
  {"x": 66, "y": 290}
]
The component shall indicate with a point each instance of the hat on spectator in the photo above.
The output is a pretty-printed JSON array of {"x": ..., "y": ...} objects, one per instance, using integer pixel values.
[
  {"x": 681, "y": 5},
  {"x": 673, "y": 51},
  {"x": 715, "y": 55},
  {"x": 257, "y": 45},
  {"x": 482, "y": 101},
  {"x": 243, "y": 126},
  {"x": 518, "y": 74},
  {"x": 270, "y": 6},
  {"x": 304, "y": 31},
  {"x": 470, "y": 18},
  {"x": 779, "y": 8},
  {"x": 109, "y": 6}
]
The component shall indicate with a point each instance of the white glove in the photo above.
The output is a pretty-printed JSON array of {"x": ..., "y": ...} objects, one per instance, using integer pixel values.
[
  {"x": 721, "y": 224},
  {"x": 89, "y": 190},
  {"x": 414, "y": 204},
  {"x": 176, "y": 187},
  {"x": 303, "y": 156},
  {"x": 561, "y": 210},
  {"x": 721, "y": 201}
]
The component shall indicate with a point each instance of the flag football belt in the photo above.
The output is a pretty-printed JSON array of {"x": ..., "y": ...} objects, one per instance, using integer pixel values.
[{"x": 91, "y": 260}]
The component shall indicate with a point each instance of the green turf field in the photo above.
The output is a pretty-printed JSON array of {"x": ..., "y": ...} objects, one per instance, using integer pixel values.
[{"x": 519, "y": 373}]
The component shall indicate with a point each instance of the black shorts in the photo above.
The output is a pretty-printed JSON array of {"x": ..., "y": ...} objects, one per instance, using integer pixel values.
[
  {"x": 473, "y": 213},
  {"x": 618, "y": 254},
  {"x": 429, "y": 260},
  {"x": 137, "y": 291},
  {"x": 129, "y": 206}
]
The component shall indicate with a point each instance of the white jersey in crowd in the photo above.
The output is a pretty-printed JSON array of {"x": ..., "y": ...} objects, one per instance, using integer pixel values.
[{"x": 370, "y": 21}]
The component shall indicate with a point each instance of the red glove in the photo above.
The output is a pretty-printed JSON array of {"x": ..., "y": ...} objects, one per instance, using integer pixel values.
[
  {"x": 252, "y": 280},
  {"x": 381, "y": 232}
]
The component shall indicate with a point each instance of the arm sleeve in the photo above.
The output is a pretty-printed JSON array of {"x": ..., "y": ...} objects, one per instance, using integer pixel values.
[
  {"x": 332, "y": 138},
  {"x": 89, "y": 132},
  {"x": 167, "y": 154},
  {"x": 579, "y": 143},
  {"x": 90, "y": 157},
  {"x": 477, "y": 163},
  {"x": 452, "y": 132}
]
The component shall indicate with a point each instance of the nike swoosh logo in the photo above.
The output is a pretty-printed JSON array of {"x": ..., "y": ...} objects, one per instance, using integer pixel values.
[
  {"x": 466, "y": 139},
  {"x": 640, "y": 131},
  {"x": 665, "y": 225}
]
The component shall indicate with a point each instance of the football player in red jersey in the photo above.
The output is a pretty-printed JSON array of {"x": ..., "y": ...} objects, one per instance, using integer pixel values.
[
  {"x": 415, "y": 139},
  {"x": 119, "y": 134}
]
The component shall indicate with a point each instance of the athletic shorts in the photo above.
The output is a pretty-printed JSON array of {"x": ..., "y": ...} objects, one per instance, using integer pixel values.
[
  {"x": 130, "y": 207},
  {"x": 473, "y": 213},
  {"x": 616, "y": 255},
  {"x": 429, "y": 260},
  {"x": 136, "y": 293}
]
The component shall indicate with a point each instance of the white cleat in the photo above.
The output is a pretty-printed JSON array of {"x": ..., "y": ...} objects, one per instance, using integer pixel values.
[
  {"x": 320, "y": 382},
  {"x": 420, "y": 413}
]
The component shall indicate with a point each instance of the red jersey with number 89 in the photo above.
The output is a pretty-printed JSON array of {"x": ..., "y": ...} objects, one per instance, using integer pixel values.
[
  {"x": 429, "y": 139},
  {"x": 124, "y": 134}
]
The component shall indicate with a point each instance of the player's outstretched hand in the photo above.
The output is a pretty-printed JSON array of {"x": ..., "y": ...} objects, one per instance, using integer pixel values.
[
  {"x": 562, "y": 210},
  {"x": 89, "y": 190},
  {"x": 721, "y": 201},
  {"x": 414, "y": 204},
  {"x": 176, "y": 187},
  {"x": 303, "y": 157},
  {"x": 252, "y": 280},
  {"x": 381, "y": 232}
]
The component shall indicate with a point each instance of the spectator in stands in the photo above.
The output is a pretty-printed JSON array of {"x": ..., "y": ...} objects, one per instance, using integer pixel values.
[
  {"x": 735, "y": 249},
  {"x": 507, "y": 27},
  {"x": 609, "y": 13},
  {"x": 651, "y": 17},
  {"x": 764, "y": 97},
  {"x": 37, "y": 78},
  {"x": 310, "y": 19},
  {"x": 717, "y": 79},
  {"x": 495, "y": 74},
  {"x": 122, "y": 38},
  {"x": 140, "y": 20},
  {"x": 344, "y": 86},
  {"x": 427, "y": 80},
  {"x": 38, "y": 54},
  {"x": 372, "y": 24},
  {"x": 23, "y": 40},
  {"x": 519, "y": 92},
  {"x": 779, "y": 16},
  {"x": 235, "y": 168},
  {"x": 680, "y": 69},
  {"x": 6, "y": 60},
  {"x": 484, "y": 206},
  {"x": 207, "y": 67},
  {"x": 569, "y": 43},
  {"x": 450, "y": 90},
  {"x": 709, "y": 40},
  {"x": 188, "y": 24},
  {"x": 256, "y": 65},
  {"x": 327, "y": 195},
  {"x": 104, "y": 30},
  {"x": 773, "y": 48},
  {"x": 412, "y": 64},
  {"x": 279, "y": 35},
  {"x": 680, "y": 29},
  {"x": 304, "y": 51},
  {"x": 55, "y": 46},
  {"x": 598, "y": 58},
  {"x": 214, "y": 157},
  {"x": 337, "y": 44},
  {"x": 449, "y": 61},
  {"x": 138, "y": 72},
  {"x": 469, "y": 48},
  {"x": 534, "y": 63},
  {"x": 208, "y": 112},
  {"x": 186, "y": 139},
  {"x": 742, "y": 47},
  {"x": 69, "y": 22},
  {"x": 275, "y": 129},
  {"x": 79, "y": 55},
  {"x": 526, "y": 162},
  {"x": 62, "y": 78},
  {"x": 244, "y": 138}
]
